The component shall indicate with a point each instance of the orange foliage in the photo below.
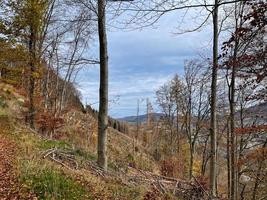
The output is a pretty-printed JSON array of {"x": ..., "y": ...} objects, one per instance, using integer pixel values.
[
  {"x": 257, "y": 154},
  {"x": 167, "y": 167},
  {"x": 48, "y": 123},
  {"x": 203, "y": 181},
  {"x": 251, "y": 129}
]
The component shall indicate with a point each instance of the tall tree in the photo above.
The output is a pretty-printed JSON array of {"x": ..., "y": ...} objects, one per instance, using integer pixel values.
[
  {"x": 103, "y": 90},
  {"x": 150, "y": 13},
  {"x": 213, "y": 131},
  {"x": 29, "y": 26},
  {"x": 244, "y": 57}
]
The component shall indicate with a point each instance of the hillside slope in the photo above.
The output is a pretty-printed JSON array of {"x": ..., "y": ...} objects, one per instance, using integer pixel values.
[
  {"x": 42, "y": 167},
  {"x": 61, "y": 164}
]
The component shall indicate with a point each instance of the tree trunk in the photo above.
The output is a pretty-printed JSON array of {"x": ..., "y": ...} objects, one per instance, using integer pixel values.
[
  {"x": 205, "y": 158},
  {"x": 232, "y": 130},
  {"x": 228, "y": 161},
  {"x": 103, "y": 91},
  {"x": 191, "y": 164},
  {"x": 32, "y": 63},
  {"x": 213, "y": 131},
  {"x": 233, "y": 138},
  {"x": 46, "y": 89},
  {"x": 177, "y": 129}
]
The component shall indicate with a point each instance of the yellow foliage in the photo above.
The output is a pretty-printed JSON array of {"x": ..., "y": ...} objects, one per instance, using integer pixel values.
[{"x": 196, "y": 167}]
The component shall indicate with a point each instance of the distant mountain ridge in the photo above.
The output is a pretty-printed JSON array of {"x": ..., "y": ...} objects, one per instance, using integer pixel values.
[
  {"x": 258, "y": 109},
  {"x": 140, "y": 118}
]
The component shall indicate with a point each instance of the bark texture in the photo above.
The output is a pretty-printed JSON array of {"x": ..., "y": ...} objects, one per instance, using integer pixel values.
[{"x": 103, "y": 90}]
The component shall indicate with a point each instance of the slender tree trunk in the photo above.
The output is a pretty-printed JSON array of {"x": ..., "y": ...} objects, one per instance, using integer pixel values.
[
  {"x": 228, "y": 161},
  {"x": 46, "y": 89},
  {"x": 233, "y": 138},
  {"x": 191, "y": 164},
  {"x": 177, "y": 129},
  {"x": 57, "y": 86},
  {"x": 242, "y": 192},
  {"x": 240, "y": 155},
  {"x": 103, "y": 90},
  {"x": 32, "y": 43},
  {"x": 213, "y": 131},
  {"x": 232, "y": 130},
  {"x": 205, "y": 158}
]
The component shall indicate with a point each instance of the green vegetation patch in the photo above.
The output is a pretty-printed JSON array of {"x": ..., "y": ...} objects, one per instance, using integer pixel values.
[
  {"x": 48, "y": 183},
  {"x": 3, "y": 114},
  {"x": 48, "y": 144},
  {"x": 3, "y": 103},
  {"x": 86, "y": 155}
]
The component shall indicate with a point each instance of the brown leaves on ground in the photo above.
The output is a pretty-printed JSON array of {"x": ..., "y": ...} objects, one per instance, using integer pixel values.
[
  {"x": 8, "y": 182},
  {"x": 9, "y": 185}
]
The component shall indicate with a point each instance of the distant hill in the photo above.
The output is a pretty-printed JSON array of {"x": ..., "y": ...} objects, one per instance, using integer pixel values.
[
  {"x": 255, "y": 110},
  {"x": 141, "y": 118},
  {"x": 259, "y": 109}
]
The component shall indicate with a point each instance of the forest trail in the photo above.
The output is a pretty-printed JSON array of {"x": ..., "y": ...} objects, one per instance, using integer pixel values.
[{"x": 8, "y": 181}]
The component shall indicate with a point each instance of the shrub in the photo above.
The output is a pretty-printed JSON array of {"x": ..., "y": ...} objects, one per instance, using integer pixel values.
[
  {"x": 48, "y": 123},
  {"x": 167, "y": 167},
  {"x": 174, "y": 166}
]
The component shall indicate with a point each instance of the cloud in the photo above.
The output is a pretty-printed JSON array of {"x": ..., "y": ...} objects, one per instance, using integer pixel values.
[
  {"x": 128, "y": 88},
  {"x": 139, "y": 62}
]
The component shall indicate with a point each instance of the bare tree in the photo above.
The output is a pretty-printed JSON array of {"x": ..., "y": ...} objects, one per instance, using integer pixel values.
[
  {"x": 213, "y": 133},
  {"x": 196, "y": 107},
  {"x": 103, "y": 91},
  {"x": 148, "y": 13},
  {"x": 167, "y": 104}
]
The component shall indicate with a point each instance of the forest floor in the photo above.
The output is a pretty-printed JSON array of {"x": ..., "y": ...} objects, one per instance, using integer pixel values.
[
  {"x": 10, "y": 187},
  {"x": 8, "y": 180}
]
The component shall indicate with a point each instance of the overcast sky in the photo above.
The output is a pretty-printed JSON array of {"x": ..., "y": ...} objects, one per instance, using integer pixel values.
[{"x": 140, "y": 62}]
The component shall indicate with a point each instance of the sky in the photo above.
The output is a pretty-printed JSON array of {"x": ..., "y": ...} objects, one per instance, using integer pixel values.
[{"x": 140, "y": 61}]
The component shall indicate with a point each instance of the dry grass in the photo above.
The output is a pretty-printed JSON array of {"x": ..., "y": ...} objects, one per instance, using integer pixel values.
[{"x": 49, "y": 180}]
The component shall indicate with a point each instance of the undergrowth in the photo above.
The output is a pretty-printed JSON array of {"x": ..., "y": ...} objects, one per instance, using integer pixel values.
[
  {"x": 48, "y": 183},
  {"x": 48, "y": 144},
  {"x": 46, "y": 179}
]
